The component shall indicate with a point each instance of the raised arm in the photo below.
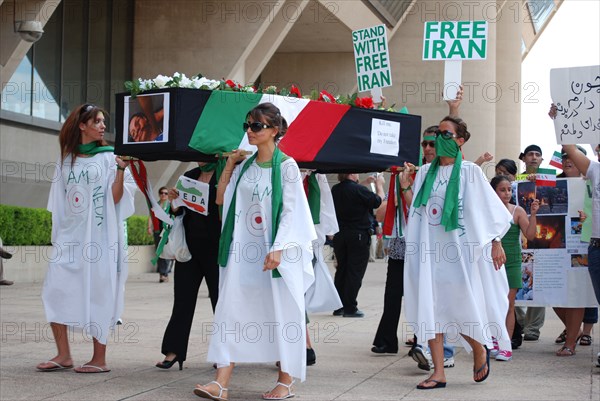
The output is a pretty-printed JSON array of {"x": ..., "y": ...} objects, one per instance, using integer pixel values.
[
  {"x": 454, "y": 105},
  {"x": 235, "y": 157},
  {"x": 485, "y": 157},
  {"x": 528, "y": 225},
  {"x": 406, "y": 182},
  {"x": 579, "y": 159},
  {"x": 117, "y": 186}
]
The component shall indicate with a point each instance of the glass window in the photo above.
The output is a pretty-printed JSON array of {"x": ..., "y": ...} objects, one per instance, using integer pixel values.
[
  {"x": 46, "y": 70},
  {"x": 84, "y": 55},
  {"x": 16, "y": 95},
  {"x": 74, "y": 56},
  {"x": 540, "y": 10},
  {"x": 98, "y": 53}
]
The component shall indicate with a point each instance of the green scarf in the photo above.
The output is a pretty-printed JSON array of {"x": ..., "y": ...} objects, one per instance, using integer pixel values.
[
  {"x": 314, "y": 198},
  {"x": 444, "y": 147},
  {"x": 92, "y": 148},
  {"x": 276, "y": 207},
  {"x": 165, "y": 236}
]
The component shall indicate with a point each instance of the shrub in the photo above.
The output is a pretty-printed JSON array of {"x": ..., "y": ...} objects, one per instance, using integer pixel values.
[
  {"x": 137, "y": 231},
  {"x": 29, "y": 226}
]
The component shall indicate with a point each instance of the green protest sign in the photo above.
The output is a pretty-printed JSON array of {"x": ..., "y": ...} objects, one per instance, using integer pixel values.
[
  {"x": 455, "y": 40},
  {"x": 372, "y": 58}
]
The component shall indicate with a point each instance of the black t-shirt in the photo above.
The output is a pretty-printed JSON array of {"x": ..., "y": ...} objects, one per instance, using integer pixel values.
[{"x": 354, "y": 204}]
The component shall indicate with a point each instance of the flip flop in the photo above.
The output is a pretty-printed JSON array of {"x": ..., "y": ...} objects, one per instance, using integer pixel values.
[
  {"x": 487, "y": 363},
  {"x": 565, "y": 351},
  {"x": 57, "y": 366},
  {"x": 438, "y": 384},
  {"x": 98, "y": 369}
]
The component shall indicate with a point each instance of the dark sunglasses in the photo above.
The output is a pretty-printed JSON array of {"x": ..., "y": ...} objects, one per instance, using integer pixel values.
[
  {"x": 431, "y": 144},
  {"x": 446, "y": 134},
  {"x": 164, "y": 193},
  {"x": 256, "y": 126}
]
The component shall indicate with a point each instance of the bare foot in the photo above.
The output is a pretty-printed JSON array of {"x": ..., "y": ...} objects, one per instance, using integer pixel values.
[
  {"x": 480, "y": 367},
  {"x": 212, "y": 389},
  {"x": 565, "y": 351},
  {"x": 93, "y": 367},
  {"x": 87, "y": 368},
  {"x": 56, "y": 363},
  {"x": 432, "y": 382}
]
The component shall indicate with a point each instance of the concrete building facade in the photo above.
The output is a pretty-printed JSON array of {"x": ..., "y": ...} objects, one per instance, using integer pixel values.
[{"x": 304, "y": 42}]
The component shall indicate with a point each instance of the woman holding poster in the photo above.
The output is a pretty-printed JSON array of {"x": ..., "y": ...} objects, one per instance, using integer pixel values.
[
  {"x": 511, "y": 243},
  {"x": 90, "y": 198},
  {"x": 202, "y": 237},
  {"x": 591, "y": 169},
  {"x": 453, "y": 247},
  {"x": 266, "y": 257}
]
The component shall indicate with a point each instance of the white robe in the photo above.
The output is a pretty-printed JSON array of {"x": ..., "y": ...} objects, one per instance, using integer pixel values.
[
  {"x": 322, "y": 296},
  {"x": 85, "y": 283},
  {"x": 259, "y": 318},
  {"x": 450, "y": 285}
]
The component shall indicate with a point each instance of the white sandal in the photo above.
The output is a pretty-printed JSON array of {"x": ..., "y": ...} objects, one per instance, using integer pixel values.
[
  {"x": 205, "y": 394},
  {"x": 289, "y": 394}
]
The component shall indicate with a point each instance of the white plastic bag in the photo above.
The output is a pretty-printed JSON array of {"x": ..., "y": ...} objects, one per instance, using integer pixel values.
[{"x": 176, "y": 246}]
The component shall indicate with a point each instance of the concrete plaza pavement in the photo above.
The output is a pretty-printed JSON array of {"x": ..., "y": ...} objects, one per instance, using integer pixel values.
[{"x": 345, "y": 369}]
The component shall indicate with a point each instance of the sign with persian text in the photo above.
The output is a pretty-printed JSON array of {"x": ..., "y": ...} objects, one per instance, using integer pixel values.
[{"x": 576, "y": 94}]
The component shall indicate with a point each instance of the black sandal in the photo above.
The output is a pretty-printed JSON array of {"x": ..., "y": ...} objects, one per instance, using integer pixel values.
[
  {"x": 561, "y": 338},
  {"x": 585, "y": 340}
]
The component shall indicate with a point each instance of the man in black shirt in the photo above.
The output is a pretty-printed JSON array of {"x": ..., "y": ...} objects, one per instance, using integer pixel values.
[{"x": 353, "y": 205}]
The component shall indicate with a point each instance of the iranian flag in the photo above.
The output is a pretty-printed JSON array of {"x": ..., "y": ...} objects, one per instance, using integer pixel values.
[
  {"x": 545, "y": 177},
  {"x": 310, "y": 123},
  {"x": 556, "y": 160}
]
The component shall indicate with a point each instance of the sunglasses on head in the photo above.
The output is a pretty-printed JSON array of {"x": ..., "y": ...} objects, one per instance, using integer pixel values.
[
  {"x": 256, "y": 126},
  {"x": 86, "y": 108},
  {"x": 446, "y": 134},
  {"x": 431, "y": 144}
]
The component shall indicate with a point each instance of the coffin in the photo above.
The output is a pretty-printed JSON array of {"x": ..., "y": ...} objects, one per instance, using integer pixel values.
[{"x": 195, "y": 125}]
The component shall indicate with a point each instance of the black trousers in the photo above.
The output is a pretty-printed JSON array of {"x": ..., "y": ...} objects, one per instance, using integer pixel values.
[
  {"x": 188, "y": 277},
  {"x": 387, "y": 332},
  {"x": 352, "y": 254},
  {"x": 163, "y": 266}
]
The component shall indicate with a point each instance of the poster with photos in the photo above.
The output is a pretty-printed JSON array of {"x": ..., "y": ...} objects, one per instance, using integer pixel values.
[{"x": 554, "y": 263}]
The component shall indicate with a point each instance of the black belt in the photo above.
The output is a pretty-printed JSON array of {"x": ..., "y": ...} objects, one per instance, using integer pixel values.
[{"x": 595, "y": 242}]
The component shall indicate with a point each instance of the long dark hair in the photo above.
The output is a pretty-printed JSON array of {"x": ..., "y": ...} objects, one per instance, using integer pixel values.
[
  {"x": 509, "y": 165},
  {"x": 497, "y": 180},
  {"x": 272, "y": 116},
  {"x": 70, "y": 134}
]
